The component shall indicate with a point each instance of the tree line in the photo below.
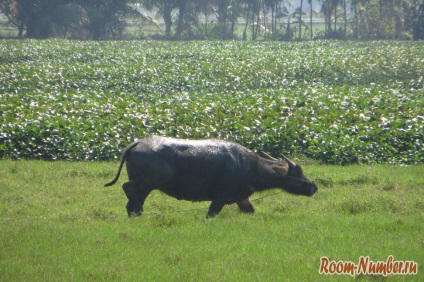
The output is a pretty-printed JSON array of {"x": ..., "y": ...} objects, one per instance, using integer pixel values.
[{"x": 219, "y": 19}]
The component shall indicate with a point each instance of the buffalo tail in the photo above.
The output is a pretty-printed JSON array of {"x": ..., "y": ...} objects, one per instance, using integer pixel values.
[{"x": 124, "y": 157}]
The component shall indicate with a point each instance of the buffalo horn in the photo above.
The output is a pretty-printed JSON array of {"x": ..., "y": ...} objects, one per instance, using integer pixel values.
[
  {"x": 266, "y": 156},
  {"x": 289, "y": 161}
]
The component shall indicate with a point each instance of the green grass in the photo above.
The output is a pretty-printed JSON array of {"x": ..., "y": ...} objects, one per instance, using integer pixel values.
[{"x": 58, "y": 222}]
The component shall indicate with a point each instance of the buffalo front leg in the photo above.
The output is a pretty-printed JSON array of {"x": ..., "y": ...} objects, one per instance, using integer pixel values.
[
  {"x": 215, "y": 207},
  {"x": 245, "y": 206},
  {"x": 134, "y": 206}
]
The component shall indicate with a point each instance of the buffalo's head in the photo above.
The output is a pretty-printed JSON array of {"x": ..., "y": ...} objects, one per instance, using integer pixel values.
[{"x": 292, "y": 178}]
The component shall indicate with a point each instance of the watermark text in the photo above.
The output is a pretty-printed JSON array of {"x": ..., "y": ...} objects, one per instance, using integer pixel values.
[{"x": 366, "y": 266}]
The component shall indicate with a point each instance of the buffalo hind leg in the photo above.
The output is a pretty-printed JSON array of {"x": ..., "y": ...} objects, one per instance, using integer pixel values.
[
  {"x": 134, "y": 206},
  {"x": 245, "y": 206},
  {"x": 142, "y": 195}
]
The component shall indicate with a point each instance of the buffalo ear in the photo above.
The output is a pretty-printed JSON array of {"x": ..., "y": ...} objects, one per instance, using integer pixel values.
[{"x": 280, "y": 170}]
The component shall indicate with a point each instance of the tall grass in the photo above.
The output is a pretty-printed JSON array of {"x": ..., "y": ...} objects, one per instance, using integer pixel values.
[{"x": 59, "y": 223}]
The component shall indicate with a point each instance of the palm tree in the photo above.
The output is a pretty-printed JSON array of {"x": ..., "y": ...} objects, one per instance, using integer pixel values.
[
  {"x": 182, "y": 8},
  {"x": 300, "y": 19},
  {"x": 310, "y": 16},
  {"x": 271, "y": 5},
  {"x": 235, "y": 10},
  {"x": 344, "y": 16},
  {"x": 17, "y": 14},
  {"x": 42, "y": 19},
  {"x": 252, "y": 13},
  {"x": 334, "y": 4},
  {"x": 222, "y": 11},
  {"x": 206, "y": 8},
  {"x": 164, "y": 9},
  {"x": 328, "y": 7}
]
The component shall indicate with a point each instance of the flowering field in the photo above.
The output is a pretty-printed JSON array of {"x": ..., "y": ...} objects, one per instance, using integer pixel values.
[{"x": 337, "y": 102}]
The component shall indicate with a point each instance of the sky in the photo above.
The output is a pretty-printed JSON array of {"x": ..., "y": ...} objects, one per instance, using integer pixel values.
[{"x": 296, "y": 4}]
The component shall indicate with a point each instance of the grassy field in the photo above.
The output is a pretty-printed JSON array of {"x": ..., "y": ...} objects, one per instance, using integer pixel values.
[
  {"x": 58, "y": 222},
  {"x": 325, "y": 102}
]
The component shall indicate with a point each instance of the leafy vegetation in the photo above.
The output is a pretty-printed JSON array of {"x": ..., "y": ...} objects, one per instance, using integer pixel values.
[
  {"x": 58, "y": 223},
  {"x": 337, "y": 102}
]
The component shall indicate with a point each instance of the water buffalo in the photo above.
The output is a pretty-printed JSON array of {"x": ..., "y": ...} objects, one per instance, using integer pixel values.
[{"x": 205, "y": 170}]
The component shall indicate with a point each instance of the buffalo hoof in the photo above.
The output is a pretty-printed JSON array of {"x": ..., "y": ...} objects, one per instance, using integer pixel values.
[
  {"x": 133, "y": 213},
  {"x": 133, "y": 210}
]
